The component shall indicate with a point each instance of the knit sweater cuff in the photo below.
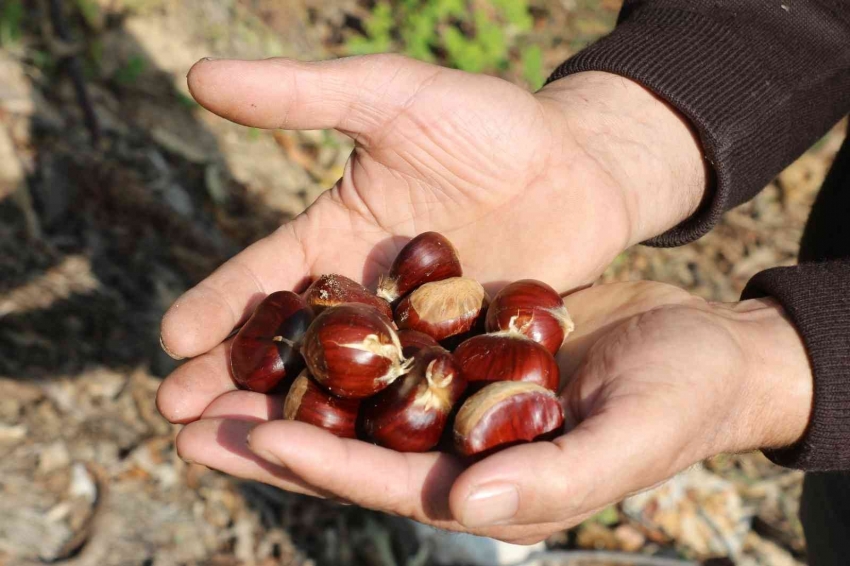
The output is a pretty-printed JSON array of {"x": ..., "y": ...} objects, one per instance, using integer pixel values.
[
  {"x": 705, "y": 68},
  {"x": 815, "y": 297}
]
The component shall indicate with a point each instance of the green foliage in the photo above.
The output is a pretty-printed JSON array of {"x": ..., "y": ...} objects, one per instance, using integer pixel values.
[
  {"x": 131, "y": 71},
  {"x": 379, "y": 28},
  {"x": 185, "y": 101},
  {"x": 475, "y": 40},
  {"x": 608, "y": 517},
  {"x": 532, "y": 66},
  {"x": 90, "y": 11},
  {"x": 11, "y": 22}
]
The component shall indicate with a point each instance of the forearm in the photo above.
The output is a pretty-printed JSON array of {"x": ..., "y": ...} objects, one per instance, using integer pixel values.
[{"x": 647, "y": 148}]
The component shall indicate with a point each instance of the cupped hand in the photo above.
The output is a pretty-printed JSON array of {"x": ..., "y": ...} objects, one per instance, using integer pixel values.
[
  {"x": 550, "y": 186},
  {"x": 656, "y": 380}
]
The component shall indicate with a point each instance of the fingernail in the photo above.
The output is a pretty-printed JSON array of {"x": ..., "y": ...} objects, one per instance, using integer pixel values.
[
  {"x": 165, "y": 349},
  {"x": 489, "y": 505}
]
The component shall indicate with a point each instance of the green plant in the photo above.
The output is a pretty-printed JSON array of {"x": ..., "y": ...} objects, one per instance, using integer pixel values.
[
  {"x": 476, "y": 39},
  {"x": 11, "y": 22},
  {"x": 532, "y": 66},
  {"x": 132, "y": 69}
]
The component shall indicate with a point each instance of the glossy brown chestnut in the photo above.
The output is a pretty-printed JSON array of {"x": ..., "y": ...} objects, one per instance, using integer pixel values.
[
  {"x": 413, "y": 341},
  {"x": 333, "y": 290},
  {"x": 265, "y": 350},
  {"x": 443, "y": 308},
  {"x": 353, "y": 351},
  {"x": 533, "y": 309},
  {"x": 427, "y": 257},
  {"x": 410, "y": 414},
  {"x": 503, "y": 414},
  {"x": 506, "y": 357},
  {"x": 309, "y": 403}
]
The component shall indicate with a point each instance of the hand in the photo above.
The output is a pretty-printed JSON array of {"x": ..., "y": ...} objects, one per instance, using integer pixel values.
[
  {"x": 552, "y": 185},
  {"x": 657, "y": 380}
]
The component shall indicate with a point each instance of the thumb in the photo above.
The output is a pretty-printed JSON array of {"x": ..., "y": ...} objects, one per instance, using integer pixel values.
[
  {"x": 603, "y": 460},
  {"x": 356, "y": 95}
]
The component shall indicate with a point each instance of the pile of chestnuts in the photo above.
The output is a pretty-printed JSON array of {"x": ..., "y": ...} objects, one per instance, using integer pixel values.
[{"x": 428, "y": 362}]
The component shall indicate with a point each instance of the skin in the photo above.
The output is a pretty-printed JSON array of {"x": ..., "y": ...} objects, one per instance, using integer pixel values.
[{"x": 654, "y": 378}]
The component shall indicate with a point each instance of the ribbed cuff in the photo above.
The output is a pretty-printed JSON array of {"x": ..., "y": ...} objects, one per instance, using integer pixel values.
[
  {"x": 816, "y": 297},
  {"x": 707, "y": 68}
]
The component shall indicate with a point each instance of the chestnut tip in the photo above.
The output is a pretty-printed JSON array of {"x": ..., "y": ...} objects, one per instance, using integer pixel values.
[
  {"x": 428, "y": 257},
  {"x": 533, "y": 309},
  {"x": 507, "y": 356},
  {"x": 411, "y": 414},
  {"x": 353, "y": 351},
  {"x": 266, "y": 350},
  {"x": 333, "y": 290}
]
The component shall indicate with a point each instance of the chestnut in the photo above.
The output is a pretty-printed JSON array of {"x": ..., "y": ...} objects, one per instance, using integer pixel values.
[
  {"x": 427, "y": 257},
  {"x": 506, "y": 413},
  {"x": 353, "y": 351},
  {"x": 507, "y": 357},
  {"x": 412, "y": 341},
  {"x": 533, "y": 309},
  {"x": 265, "y": 350},
  {"x": 309, "y": 403},
  {"x": 443, "y": 308},
  {"x": 410, "y": 414},
  {"x": 333, "y": 290}
]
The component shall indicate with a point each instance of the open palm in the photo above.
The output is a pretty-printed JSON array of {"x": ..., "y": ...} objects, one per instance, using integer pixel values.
[
  {"x": 657, "y": 380},
  {"x": 489, "y": 165}
]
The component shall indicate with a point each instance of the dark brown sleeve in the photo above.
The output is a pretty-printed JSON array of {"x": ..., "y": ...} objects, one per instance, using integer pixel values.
[
  {"x": 816, "y": 297},
  {"x": 761, "y": 80}
]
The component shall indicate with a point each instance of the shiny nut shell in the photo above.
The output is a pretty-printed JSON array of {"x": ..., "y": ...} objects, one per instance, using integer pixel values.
[
  {"x": 533, "y": 309},
  {"x": 265, "y": 350},
  {"x": 309, "y": 403},
  {"x": 410, "y": 414},
  {"x": 353, "y": 351},
  {"x": 412, "y": 341},
  {"x": 503, "y": 414},
  {"x": 334, "y": 290},
  {"x": 503, "y": 357},
  {"x": 427, "y": 257},
  {"x": 443, "y": 308}
]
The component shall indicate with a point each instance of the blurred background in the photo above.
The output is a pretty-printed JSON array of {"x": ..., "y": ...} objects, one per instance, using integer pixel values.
[{"x": 117, "y": 193}]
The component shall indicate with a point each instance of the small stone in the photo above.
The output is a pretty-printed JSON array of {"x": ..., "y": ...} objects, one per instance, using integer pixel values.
[
  {"x": 597, "y": 536},
  {"x": 629, "y": 538},
  {"x": 53, "y": 457},
  {"x": 82, "y": 484},
  {"x": 11, "y": 434}
]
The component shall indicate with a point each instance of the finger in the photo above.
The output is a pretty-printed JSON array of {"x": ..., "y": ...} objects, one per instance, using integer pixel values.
[
  {"x": 410, "y": 485},
  {"x": 207, "y": 313},
  {"x": 356, "y": 95},
  {"x": 246, "y": 406},
  {"x": 604, "y": 459},
  {"x": 222, "y": 445},
  {"x": 185, "y": 394}
]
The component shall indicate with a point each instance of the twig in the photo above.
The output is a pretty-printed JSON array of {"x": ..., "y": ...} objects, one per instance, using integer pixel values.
[{"x": 75, "y": 71}]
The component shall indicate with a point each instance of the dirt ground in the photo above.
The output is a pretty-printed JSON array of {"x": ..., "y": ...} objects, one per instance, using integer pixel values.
[{"x": 97, "y": 240}]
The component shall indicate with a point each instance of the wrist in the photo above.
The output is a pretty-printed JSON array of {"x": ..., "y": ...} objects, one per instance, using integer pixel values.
[
  {"x": 637, "y": 140},
  {"x": 777, "y": 405}
]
